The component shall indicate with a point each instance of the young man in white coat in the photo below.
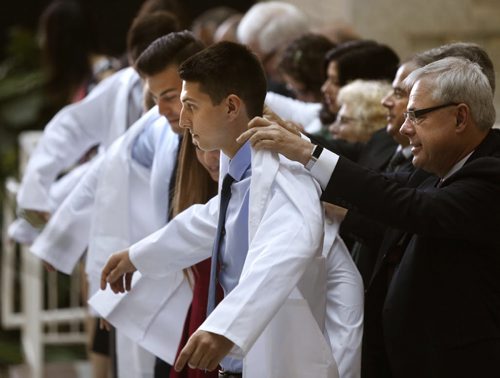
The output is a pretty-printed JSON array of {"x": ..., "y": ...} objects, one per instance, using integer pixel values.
[
  {"x": 269, "y": 243},
  {"x": 124, "y": 196},
  {"x": 99, "y": 119}
]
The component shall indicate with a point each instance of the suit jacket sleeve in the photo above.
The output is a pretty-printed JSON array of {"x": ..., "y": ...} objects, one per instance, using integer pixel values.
[
  {"x": 352, "y": 151},
  {"x": 439, "y": 212}
]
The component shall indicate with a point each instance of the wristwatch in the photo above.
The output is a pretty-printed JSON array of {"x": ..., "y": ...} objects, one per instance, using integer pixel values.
[{"x": 315, "y": 154}]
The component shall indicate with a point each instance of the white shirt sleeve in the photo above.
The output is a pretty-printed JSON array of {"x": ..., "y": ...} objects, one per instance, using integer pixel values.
[{"x": 324, "y": 167}]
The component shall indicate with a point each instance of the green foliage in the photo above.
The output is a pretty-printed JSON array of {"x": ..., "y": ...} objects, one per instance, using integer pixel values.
[{"x": 23, "y": 103}]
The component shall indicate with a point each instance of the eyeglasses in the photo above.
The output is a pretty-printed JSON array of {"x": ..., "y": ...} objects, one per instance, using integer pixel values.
[
  {"x": 413, "y": 115},
  {"x": 345, "y": 119}
]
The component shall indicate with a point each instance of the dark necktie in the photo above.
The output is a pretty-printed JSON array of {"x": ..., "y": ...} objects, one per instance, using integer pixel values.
[
  {"x": 394, "y": 164},
  {"x": 225, "y": 196}
]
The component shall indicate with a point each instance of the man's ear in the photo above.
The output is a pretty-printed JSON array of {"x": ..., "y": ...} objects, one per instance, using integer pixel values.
[
  {"x": 233, "y": 105},
  {"x": 463, "y": 114}
]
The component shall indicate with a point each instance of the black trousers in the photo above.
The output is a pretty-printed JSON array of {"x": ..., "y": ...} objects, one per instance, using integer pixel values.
[{"x": 162, "y": 369}]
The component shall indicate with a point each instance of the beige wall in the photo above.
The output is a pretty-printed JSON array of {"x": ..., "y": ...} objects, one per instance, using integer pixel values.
[{"x": 411, "y": 26}]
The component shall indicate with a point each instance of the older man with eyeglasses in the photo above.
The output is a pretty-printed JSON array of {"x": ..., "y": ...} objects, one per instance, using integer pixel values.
[{"x": 441, "y": 316}]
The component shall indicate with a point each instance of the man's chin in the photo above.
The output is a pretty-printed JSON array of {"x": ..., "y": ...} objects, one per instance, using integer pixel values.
[{"x": 176, "y": 128}]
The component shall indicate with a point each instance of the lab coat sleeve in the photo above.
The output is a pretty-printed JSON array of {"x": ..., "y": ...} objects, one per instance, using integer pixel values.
[
  {"x": 303, "y": 113},
  {"x": 186, "y": 240},
  {"x": 285, "y": 243},
  {"x": 344, "y": 309},
  {"x": 66, "y": 235},
  {"x": 71, "y": 132}
]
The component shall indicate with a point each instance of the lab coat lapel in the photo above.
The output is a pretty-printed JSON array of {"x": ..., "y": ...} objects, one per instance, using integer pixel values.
[
  {"x": 136, "y": 314},
  {"x": 119, "y": 181},
  {"x": 280, "y": 352},
  {"x": 264, "y": 169},
  {"x": 119, "y": 121}
]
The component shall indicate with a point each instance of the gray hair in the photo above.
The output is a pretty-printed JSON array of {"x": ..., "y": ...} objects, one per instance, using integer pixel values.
[
  {"x": 271, "y": 25},
  {"x": 461, "y": 81},
  {"x": 467, "y": 50}
]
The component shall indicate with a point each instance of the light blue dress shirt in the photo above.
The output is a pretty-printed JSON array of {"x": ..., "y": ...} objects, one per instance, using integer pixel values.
[
  {"x": 234, "y": 246},
  {"x": 143, "y": 149},
  {"x": 156, "y": 148}
]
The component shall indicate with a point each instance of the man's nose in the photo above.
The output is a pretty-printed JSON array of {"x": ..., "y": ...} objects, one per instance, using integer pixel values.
[
  {"x": 406, "y": 128},
  {"x": 387, "y": 101},
  {"x": 182, "y": 119}
]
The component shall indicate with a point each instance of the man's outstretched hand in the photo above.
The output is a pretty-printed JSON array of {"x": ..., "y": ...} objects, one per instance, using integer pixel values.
[
  {"x": 36, "y": 218},
  {"x": 204, "y": 350},
  {"x": 118, "y": 272}
]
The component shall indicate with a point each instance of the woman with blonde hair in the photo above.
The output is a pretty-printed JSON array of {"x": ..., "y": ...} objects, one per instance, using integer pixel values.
[{"x": 361, "y": 111}]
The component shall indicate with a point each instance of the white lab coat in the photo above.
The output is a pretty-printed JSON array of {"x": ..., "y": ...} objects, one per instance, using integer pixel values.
[
  {"x": 152, "y": 313},
  {"x": 303, "y": 113},
  {"x": 99, "y": 118},
  {"x": 130, "y": 203},
  {"x": 67, "y": 235},
  {"x": 344, "y": 303},
  {"x": 112, "y": 207},
  {"x": 283, "y": 283}
]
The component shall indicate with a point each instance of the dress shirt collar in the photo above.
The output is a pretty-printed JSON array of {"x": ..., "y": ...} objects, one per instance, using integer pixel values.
[
  {"x": 456, "y": 167},
  {"x": 239, "y": 164},
  {"x": 406, "y": 151}
]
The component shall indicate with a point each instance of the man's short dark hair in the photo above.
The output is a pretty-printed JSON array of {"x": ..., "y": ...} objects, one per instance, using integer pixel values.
[
  {"x": 146, "y": 29},
  {"x": 228, "y": 68},
  {"x": 173, "y": 48}
]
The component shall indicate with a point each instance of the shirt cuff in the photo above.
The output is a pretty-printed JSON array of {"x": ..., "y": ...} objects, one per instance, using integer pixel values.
[{"x": 324, "y": 167}]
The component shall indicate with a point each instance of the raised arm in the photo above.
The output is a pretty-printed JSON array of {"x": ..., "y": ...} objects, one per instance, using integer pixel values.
[
  {"x": 71, "y": 132},
  {"x": 186, "y": 240},
  {"x": 65, "y": 238}
]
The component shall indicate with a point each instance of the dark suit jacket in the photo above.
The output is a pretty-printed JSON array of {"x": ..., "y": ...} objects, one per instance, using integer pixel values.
[
  {"x": 442, "y": 312},
  {"x": 358, "y": 234},
  {"x": 374, "y": 154}
]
